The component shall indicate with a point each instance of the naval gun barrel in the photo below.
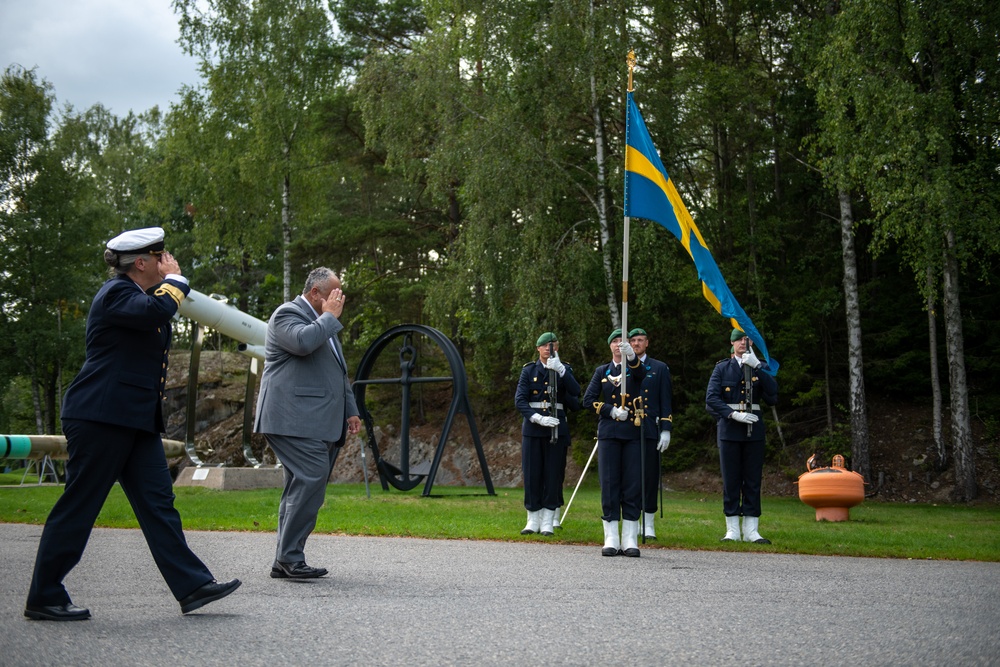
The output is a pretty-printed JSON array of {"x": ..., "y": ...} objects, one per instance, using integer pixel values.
[
  {"x": 54, "y": 446},
  {"x": 215, "y": 313}
]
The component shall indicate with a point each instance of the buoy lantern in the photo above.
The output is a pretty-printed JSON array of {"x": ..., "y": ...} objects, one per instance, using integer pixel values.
[{"x": 832, "y": 491}]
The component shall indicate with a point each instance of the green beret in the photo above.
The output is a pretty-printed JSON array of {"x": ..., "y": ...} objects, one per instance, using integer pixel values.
[
  {"x": 637, "y": 332},
  {"x": 546, "y": 338},
  {"x": 617, "y": 333},
  {"x": 736, "y": 335}
]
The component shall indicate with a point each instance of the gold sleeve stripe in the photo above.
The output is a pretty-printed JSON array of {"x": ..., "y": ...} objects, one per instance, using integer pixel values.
[
  {"x": 173, "y": 292},
  {"x": 597, "y": 406}
]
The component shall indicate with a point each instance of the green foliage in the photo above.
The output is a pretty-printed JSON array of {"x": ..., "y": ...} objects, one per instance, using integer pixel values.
[
  {"x": 257, "y": 173},
  {"x": 829, "y": 444},
  {"x": 17, "y": 412},
  {"x": 50, "y": 208},
  {"x": 909, "y": 94}
]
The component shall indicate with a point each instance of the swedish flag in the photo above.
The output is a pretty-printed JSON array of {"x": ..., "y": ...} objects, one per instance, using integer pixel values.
[{"x": 650, "y": 194}]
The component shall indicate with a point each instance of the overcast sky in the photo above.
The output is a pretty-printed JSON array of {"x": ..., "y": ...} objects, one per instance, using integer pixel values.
[{"x": 120, "y": 53}]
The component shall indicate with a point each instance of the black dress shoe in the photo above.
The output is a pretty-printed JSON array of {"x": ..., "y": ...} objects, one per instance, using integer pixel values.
[
  {"x": 609, "y": 551},
  {"x": 631, "y": 553},
  {"x": 297, "y": 570},
  {"x": 61, "y": 612},
  {"x": 210, "y": 592}
]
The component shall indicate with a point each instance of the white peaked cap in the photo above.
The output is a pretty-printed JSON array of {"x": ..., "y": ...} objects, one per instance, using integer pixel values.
[{"x": 148, "y": 239}]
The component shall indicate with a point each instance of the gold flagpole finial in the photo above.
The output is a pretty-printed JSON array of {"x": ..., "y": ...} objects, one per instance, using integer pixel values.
[{"x": 631, "y": 66}]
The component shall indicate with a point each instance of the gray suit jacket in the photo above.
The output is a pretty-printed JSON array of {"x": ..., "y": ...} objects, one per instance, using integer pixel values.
[{"x": 304, "y": 390}]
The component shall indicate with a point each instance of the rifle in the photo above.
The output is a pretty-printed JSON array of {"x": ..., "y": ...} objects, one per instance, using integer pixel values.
[{"x": 553, "y": 392}]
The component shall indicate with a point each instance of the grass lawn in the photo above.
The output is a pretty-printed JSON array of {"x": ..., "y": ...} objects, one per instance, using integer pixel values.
[{"x": 691, "y": 520}]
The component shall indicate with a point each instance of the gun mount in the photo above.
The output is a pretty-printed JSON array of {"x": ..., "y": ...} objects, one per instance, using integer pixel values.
[{"x": 215, "y": 312}]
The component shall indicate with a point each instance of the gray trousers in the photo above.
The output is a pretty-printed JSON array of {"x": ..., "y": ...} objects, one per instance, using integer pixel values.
[{"x": 307, "y": 463}]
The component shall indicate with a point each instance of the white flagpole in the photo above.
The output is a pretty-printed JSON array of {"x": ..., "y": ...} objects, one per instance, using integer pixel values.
[
  {"x": 624, "y": 303},
  {"x": 631, "y": 65}
]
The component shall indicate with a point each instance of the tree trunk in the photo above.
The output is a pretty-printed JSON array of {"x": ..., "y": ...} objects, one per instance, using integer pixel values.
[
  {"x": 942, "y": 451},
  {"x": 286, "y": 237},
  {"x": 826, "y": 382},
  {"x": 602, "y": 204},
  {"x": 860, "y": 452},
  {"x": 36, "y": 401},
  {"x": 49, "y": 411},
  {"x": 965, "y": 463}
]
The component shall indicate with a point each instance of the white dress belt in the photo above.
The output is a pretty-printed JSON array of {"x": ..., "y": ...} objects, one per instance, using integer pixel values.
[
  {"x": 739, "y": 406},
  {"x": 544, "y": 405}
]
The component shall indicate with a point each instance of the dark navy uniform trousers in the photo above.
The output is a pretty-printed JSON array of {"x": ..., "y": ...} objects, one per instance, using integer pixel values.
[{"x": 99, "y": 455}]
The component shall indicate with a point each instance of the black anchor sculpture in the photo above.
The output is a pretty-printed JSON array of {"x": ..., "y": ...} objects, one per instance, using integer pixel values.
[{"x": 404, "y": 476}]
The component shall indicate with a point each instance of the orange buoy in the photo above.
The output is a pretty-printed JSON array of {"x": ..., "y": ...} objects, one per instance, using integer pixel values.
[{"x": 832, "y": 491}]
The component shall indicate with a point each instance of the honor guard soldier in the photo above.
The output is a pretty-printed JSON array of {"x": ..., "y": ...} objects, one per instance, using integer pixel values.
[
  {"x": 737, "y": 389},
  {"x": 544, "y": 432},
  {"x": 657, "y": 422},
  {"x": 618, "y": 432}
]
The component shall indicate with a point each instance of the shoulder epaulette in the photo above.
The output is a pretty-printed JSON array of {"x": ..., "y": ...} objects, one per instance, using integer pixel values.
[{"x": 722, "y": 361}]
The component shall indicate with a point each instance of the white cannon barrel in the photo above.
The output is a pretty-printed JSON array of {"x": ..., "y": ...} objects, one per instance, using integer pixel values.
[
  {"x": 253, "y": 351},
  {"x": 38, "y": 446},
  {"x": 222, "y": 317}
]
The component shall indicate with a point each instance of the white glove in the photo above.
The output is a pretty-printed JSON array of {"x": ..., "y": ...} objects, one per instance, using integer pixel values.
[
  {"x": 664, "y": 441},
  {"x": 542, "y": 420},
  {"x": 621, "y": 414},
  {"x": 627, "y": 350},
  {"x": 553, "y": 364},
  {"x": 751, "y": 359},
  {"x": 745, "y": 417}
]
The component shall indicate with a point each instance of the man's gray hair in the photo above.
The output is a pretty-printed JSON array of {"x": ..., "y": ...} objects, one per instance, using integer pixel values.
[{"x": 317, "y": 277}]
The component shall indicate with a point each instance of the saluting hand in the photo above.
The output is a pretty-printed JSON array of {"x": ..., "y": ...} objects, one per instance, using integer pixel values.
[
  {"x": 334, "y": 303},
  {"x": 167, "y": 264}
]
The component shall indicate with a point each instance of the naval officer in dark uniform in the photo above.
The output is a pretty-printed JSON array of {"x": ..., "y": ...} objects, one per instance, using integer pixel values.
[
  {"x": 112, "y": 416},
  {"x": 543, "y": 462},
  {"x": 657, "y": 423},
  {"x": 618, "y": 445},
  {"x": 741, "y": 434}
]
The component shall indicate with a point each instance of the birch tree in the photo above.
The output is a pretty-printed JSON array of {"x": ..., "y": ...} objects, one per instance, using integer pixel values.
[
  {"x": 267, "y": 64},
  {"x": 913, "y": 88}
]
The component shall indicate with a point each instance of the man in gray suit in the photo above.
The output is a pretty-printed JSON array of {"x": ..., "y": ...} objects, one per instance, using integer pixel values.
[{"x": 305, "y": 410}]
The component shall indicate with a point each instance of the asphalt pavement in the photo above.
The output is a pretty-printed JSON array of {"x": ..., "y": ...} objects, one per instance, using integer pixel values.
[{"x": 399, "y": 601}]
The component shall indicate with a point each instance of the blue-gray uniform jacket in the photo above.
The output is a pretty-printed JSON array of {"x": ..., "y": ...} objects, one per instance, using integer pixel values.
[
  {"x": 128, "y": 339},
  {"x": 727, "y": 390},
  {"x": 532, "y": 396},
  {"x": 657, "y": 398},
  {"x": 602, "y": 395}
]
